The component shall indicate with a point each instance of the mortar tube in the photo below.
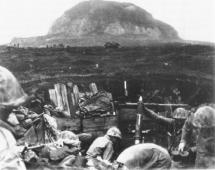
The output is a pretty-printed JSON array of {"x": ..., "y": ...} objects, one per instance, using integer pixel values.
[{"x": 138, "y": 127}]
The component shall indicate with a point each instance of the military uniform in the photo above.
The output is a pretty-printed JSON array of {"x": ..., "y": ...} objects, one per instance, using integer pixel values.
[
  {"x": 189, "y": 132},
  {"x": 205, "y": 157},
  {"x": 145, "y": 156},
  {"x": 101, "y": 147},
  {"x": 204, "y": 120},
  {"x": 9, "y": 157},
  {"x": 199, "y": 131}
]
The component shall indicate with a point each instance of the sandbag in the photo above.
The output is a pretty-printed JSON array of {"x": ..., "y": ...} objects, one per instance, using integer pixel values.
[{"x": 56, "y": 153}]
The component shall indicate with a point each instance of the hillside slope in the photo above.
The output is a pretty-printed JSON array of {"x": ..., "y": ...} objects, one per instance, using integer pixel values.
[
  {"x": 92, "y": 23},
  {"x": 105, "y": 17}
]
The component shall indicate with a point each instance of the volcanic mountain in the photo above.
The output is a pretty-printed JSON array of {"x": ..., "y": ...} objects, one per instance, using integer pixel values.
[{"x": 94, "y": 22}]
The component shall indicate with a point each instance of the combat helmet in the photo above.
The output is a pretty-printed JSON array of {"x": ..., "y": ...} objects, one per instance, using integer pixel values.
[
  {"x": 180, "y": 113},
  {"x": 11, "y": 93},
  {"x": 115, "y": 132},
  {"x": 204, "y": 117}
]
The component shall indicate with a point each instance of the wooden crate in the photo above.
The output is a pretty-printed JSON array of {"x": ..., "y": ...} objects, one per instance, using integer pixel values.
[
  {"x": 69, "y": 124},
  {"x": 99, "y": 125}
]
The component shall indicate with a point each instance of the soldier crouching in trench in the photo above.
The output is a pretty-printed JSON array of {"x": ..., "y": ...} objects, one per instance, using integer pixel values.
[
  {"x": 144, "y": 156},
  {"x": 102, "y": 148},
  {"x": 141, "y": 156}
]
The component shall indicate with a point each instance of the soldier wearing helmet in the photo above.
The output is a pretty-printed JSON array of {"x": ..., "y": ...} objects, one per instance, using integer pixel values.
[
  {"x": 204, "y": 121},
  {"x": 114, "y": 132},
  {"x": 174, "y": 123},
  {"x": 180, "y": 113},
  {"x": 204, "y": 117},
  {"x": 198, "y": 133},
  {"x": 103, "y": 147},
  {"x": 11, "y": 96},
  {"x": 189, "y": 134},
  {"x": 144, "y": 156}
]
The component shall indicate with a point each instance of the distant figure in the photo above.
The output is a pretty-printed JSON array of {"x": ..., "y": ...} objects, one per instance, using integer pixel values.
[
  {"x": 112, "y": 45},
  {"x": 144, "y": 156}
]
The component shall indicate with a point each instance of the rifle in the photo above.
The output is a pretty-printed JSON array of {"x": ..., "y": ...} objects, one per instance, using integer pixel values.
[{"x": 26, "y": 148}]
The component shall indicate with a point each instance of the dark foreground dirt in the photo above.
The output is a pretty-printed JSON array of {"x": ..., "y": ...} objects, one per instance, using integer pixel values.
[{"x": 162, "y": 67}]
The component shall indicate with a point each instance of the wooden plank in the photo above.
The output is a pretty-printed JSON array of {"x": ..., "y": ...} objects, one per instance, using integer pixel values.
[
  {"x": 65, "y": 103},
  {"x": 70, "y": 99},
  {"x": 125, "y": 88},
  {"x": 72, "y": 104},
  {"x": 52, "y": 96},
  {"x": 59, "y": 98},
  {"x": 99, "y": 123},
  {"x": 93, "y": 88},
  {"x": 73, "y": 99},
  {"x": 68, "y": 124},
  {"x": 111, "y": 121},
  {"x": 129, "y": 114},
  {"x": 76, "y": 94},
  {"x": 62, "y": 100}
]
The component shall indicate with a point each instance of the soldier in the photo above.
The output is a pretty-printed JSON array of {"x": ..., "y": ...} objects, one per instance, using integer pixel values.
[
  {"x": 103, "y": 147},
  {"x": 203, "y": 121},
  {"x": 189, "y": 137},
  {"x": 144, "y": 156},
  {"x": 11, "y": 96}
]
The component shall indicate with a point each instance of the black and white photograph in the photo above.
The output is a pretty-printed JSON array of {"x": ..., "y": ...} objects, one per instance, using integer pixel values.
[{"x": 107, "y": 84}]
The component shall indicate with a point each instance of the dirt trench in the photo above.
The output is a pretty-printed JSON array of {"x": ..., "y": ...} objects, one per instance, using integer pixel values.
[{"x": 153, "y": 88}]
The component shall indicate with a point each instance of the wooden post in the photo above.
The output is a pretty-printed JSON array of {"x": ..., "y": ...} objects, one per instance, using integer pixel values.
[
  {"x": 53, "y": 97},
  {"x": 62, "y": 100},
  {"x": 65, "y": 100},
  {"x": 76, "y": 95},
  {"x": 70, "y": 97},
  {"x": 72, "y": 104},
  {"x": 125, "y": 88},
  {"x": 58, "y": 95},
  {"x": 93, "y": 88},
  {"x": 73, "y": 99}
]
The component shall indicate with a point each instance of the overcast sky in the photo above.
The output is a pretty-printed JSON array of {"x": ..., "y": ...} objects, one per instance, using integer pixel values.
[{"x": 193, "y": 19}]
